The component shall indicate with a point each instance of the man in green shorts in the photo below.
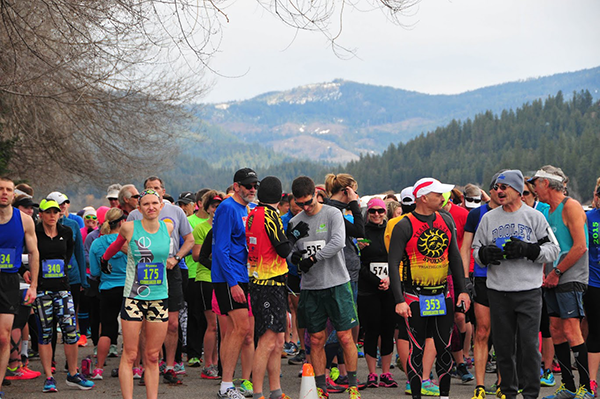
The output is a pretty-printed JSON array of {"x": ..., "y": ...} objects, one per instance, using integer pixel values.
[{"x": 325, "y": 291}]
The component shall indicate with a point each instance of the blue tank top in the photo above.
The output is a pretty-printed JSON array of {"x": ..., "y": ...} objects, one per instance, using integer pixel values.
[
  {"x": 593, "y": 218},
  {"x": 12, "y": 237},
  {"x": 478, "y": 270}
]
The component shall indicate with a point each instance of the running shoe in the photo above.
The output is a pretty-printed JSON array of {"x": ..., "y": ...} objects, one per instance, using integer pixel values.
[
  {"x": 334, "y": 373},
  {"x": 360, "y": 350},
  {"x": 499, "y": 394},
  {"x": 96, "y": 374},
  {"x": 547, "y": 379},
  {"x": 300, "y": 358},
  {"x": 79, "y": 381},
  {"x": 342, "y": 380},
  {"x": 583, "y": 393},
  {"x": 113, "y": 351},
  {"x": 246, "y": 388},
  {"x": 194, "y": 362},
  {"x": 16, "y": 373},
  {"x": 137, "y": 373},
  {"x": 322, "y": 394},
  {"x": 50, "y": 385},
  {"x": 428, "y": 388},
  {"x": 179, "y": 368},
  {"x": 353, "y": 392},
  {"x": 332, "y": 387},
  {"x": 372, "y": 381},
  {"x": 169, "y": 377},
  {"x": 33, "y": 373},
  {"x": 561, "y": 393},
  {"x": 231, "y": 393},
  {"x": 290, "y": 348},
  {"x": 479, "y": 393},
  {"x": 555, "y": 366},
  {"x": 386, "y": 380},
  {"x": 209, "y": 373},
  {"x": 492, "y": 389},
  {"x": 162, "y": 366},
  {"x": 490, "y": 367},
  {"x": 463, "y": 373},
  {"x": 83, "y": 341},
  {"x": 594, "y": 387},
  {"x": 408, "y": 390}
]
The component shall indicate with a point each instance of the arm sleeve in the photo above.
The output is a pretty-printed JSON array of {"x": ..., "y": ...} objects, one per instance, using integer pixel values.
[
  {"x": 114, "y": 247},
  {"x": 70, "y": 245},
  {"x": 204, "y": 258},
  {"x": 357, "y": 228},
  {"x": 400, "y": 236},
  {"x": 337, "y": 240}
]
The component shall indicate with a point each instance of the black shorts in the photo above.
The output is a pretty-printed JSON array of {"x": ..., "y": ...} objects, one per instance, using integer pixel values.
[
  {"x": 224, "y": 299},
  {"x": 205, "y": 293},
  {"x": 269, "y": 305},
  {"x": 293, "y": 283},
  {"x": 175, "y": 289},
  {"x": 480, "y": 295},
  {"x": 10, "y": 295}
]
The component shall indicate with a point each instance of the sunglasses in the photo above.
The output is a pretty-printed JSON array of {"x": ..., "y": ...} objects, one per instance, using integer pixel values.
[
  {"x": 502, "y": 187},
  {"x": 373, "y": 211},
  {"x": 149, "y": 192},
  {"x": 91, "y": 217},
  {"x": 306, "y": 203},
  {"x": 526, "y": 193},
  {"x": 475, "y": 200},
  {"x": 136, "y": 196},
  {"x": 250, "y": 186}
]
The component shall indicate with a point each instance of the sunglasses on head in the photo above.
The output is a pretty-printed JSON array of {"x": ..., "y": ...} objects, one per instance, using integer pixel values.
[
  {"x": 502, "y": 187},
  {"x": 92, "y": 217},
  {"x": 250, "y": 186},
  {"x": 306, "y": 203},
  {"x": 475, "y": 200},
  {"x": 373, "y": 211}
]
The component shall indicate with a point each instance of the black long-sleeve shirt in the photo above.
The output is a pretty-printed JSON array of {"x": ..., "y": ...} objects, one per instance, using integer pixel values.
[
  {"x": 355, "y": 229},
  {"x": 368, "y": 282},
  {"x": 58, "y": 247}
]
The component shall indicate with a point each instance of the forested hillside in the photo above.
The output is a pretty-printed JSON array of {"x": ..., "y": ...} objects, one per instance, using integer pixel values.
[{"x": 558, "y": 131}]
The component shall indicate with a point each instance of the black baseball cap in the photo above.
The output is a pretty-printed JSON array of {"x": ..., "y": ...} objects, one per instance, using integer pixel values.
[
  {"x": 186, "y": 197},
  {"x": 245, "y": 176},
  {"x": 26, "y": 202}
]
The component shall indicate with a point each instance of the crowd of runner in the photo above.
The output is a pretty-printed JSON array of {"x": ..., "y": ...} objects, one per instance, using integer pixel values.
[{"x": 460, "y": 281}]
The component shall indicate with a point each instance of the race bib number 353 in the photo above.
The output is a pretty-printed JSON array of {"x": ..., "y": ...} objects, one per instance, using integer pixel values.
[
  {"x": 312, "y": 247},
  {"x": 432, "y": 305}
]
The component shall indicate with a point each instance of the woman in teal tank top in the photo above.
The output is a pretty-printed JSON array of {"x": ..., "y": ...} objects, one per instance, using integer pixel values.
[{"x": 145, "y": 293}]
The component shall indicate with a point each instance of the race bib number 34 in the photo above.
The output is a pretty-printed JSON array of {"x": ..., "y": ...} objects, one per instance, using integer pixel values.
[
  {"x": 380, "y": 269},
  {"x": 312, "y": 247},
  {"x": 7, "y": 258},
  {"x": 434, "y": 305},
  {"x": 53, "y": 268},
  {"x": 150, "y": 273}
]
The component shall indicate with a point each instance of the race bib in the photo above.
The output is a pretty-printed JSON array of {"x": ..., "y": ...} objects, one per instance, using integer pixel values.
[
  {"x": 150, "y": 273},
  {"x": 380, "y": 269},
  {"x": 432, "y": 305},
  {"x": 53, "y": 268},
  {"x": 7, "y": 258},
  {"x": 312, "y": 247}
]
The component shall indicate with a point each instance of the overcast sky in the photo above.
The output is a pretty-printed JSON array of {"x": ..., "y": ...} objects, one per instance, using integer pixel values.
[{"x": 450, "y": 47}]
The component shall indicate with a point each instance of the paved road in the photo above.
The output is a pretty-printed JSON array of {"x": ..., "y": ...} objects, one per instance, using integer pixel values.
[{"x": 194, "y": 387}]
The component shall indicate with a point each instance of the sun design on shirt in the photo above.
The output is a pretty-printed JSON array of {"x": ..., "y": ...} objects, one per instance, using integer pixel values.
[{"x": 433, "y": 242}]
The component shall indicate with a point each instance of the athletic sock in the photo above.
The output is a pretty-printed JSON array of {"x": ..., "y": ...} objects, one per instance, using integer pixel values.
[
  {"x": 352, "y": 379},
  {"x": 563, "y": 355},
  {"x": 463, "y": 335},
  {"x": 257, "y": 395},
  {"x": 581, "y": 360},
  {"x": 225, "y": 385},
  {"x": 276, "y": 394},
  {"x": 24, "y": 347},
  {"x": 321, "y": 382}
]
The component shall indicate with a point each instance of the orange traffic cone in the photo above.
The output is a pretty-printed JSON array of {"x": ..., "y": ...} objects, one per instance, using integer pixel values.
[{"x": 308, "y": 387}]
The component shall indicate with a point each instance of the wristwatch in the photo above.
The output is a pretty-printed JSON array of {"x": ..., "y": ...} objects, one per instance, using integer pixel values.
[
  {"x": 558, "y": 272},
  {"x": 177, "y": 258}
]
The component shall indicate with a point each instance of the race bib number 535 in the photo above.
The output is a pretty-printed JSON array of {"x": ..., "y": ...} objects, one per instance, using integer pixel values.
[{"x": 312, "y": 247}]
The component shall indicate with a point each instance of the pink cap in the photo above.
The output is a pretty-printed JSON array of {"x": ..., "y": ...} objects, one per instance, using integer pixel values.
[{"x": 375, "y": 201}]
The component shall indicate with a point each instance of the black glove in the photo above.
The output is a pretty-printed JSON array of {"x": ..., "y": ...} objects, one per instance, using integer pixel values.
[
  {"x": 516, "y": 249},
  {"x": 105, "y": 267},
  {"x": 490, "y": 255},
  {"x": 469, "y": 286},
  {"x": 295, "y": 233},
  {"x": 306, "y": 264},
  {"x": 297, "y": 256}
]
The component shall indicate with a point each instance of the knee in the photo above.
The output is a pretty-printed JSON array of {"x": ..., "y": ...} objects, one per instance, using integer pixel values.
[
  {"x": 345, "y": 339},
  {"x": 482, "y": 333},
  {"x": 317, "y": 341},
  {"x": 173, "y": 325},
  {"x": 152, "y": 357},
  {"x": 129, "y": 355}
]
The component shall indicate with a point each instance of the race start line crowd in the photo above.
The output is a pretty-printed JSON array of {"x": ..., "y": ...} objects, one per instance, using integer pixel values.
[{"x": 262, "y": 274}]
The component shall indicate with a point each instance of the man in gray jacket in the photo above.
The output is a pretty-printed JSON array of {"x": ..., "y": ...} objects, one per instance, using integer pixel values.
[{"x": 513, "y": 242}]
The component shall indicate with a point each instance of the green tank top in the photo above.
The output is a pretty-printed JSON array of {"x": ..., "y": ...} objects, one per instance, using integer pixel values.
[{"x": 146, "y": 263}]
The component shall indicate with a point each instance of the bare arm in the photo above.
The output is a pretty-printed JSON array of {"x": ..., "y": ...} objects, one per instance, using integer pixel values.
[
  {"x": 465, "y": 251},
  {"x": 34, "y": 256},
  {"x": 574, "y": 218}
]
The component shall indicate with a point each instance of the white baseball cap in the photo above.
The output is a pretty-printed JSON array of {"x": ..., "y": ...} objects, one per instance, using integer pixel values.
[{"x": 428, "y": 185}]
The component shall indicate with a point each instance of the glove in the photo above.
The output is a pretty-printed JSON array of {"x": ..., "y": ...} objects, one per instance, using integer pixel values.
[
  {"x": 105, "y": 267},
  {"x": 306, "y": 264},
  {"x": 516, "y": 249},
  {"x": 490, "y": 255},
  {"x": 297, "y": 256},
  {"x": 469, "y": 286},
  {"x": 295, "y": 233}
]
